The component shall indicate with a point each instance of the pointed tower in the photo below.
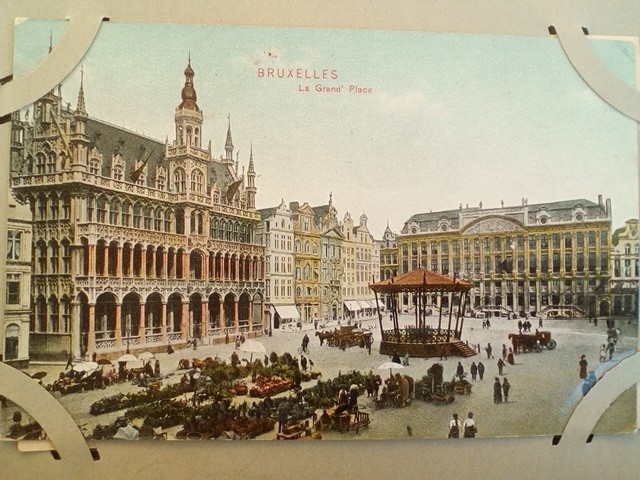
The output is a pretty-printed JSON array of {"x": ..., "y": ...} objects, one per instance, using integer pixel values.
[
  {"x": 251, "y": 183},
  {"x": 228, "y": 145},
  {"x": 188, "y": 116},
  {"x": 79, "y": 140}
]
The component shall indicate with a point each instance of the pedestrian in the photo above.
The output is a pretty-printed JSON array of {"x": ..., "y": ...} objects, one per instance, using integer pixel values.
[
  {"x": 489, "y": 350},
  {"x": 506, "y": 386},
  {"x": 396, "y": 357},
  {"x": 303, "y": 363},
  {"x": 540, "y": 322},
  {"x": 474, "y": 371},
  {"x": 500, "y": 366},
  {"x": 443, "y": 352},
  {"x": 470, "y": 427},
  {"x": 454, "y": 427},
  {"x": 266, "y": 361},
  {"x": 478, "y": 349},
  {"x": 583, "y": 367},
  {"x": 510, "y": 359},
  {"x": 603, "y": 353},
  {"x": 520, "y": 326},
  {"x": 484, "y": 324},
  {"x": 504, "y": 351},
  {"x": 611, "y": 348},
  {"x": 481, "y": 370},
  {"x": 460, "y": 371},
  {"x": 156, "y": 368},
  {"x": 497, "y": 391},
  {"x": 94, "y": 357},
  {"x": 69, "y": 362},
  {"x": 488, "y": 324}
]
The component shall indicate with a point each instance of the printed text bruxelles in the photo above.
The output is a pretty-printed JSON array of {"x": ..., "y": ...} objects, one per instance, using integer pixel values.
[{"x": 298, "y": 73}]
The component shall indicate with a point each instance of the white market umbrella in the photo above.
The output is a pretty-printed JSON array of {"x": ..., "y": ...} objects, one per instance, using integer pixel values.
[
  {"x": 85, "y": 367},
  {"x": 390, "y": 366},
  {"x": 146, "y": 356},
  {"x": 127, "y": 433},
  {"x": 252, "y": 346},
  {"x": 127, "y": 358}
]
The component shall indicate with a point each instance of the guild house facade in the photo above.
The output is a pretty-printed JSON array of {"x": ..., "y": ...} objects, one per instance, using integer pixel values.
[
  {"x": 550, "y": 259},
  {"x": 137, "y": 244}
]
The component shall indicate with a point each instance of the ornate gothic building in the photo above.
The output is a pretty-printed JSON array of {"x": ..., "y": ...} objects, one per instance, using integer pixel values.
[{"x": 137, "y": 244}]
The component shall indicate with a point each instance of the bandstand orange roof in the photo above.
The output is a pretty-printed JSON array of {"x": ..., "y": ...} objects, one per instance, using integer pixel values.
[{"x": 421, "y": 280}]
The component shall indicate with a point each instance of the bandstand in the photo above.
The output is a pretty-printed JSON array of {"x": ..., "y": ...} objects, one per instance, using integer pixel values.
[{"x": 423, "y": 340}]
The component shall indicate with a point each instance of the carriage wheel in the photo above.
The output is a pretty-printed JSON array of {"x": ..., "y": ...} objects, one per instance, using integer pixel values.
[
  {"x": 552, "y": 344},
  {"x": 538, "y": 348}
]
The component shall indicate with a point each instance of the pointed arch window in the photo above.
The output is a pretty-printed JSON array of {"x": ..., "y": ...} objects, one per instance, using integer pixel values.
[
  {"x": 179, "y": 180},
  {"x": 197, "y": 181}
]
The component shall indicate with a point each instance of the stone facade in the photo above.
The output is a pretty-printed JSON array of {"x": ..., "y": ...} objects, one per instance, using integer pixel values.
[
  {"x": 138, "y": 244},
  {"x": 625, "y": 269},
  {"x": 550, "y": 259}
]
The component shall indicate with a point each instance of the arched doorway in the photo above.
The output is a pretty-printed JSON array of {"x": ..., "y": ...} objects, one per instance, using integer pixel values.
[
  {"x": 229, "y": 310},
  {"x": 195, "y": 315},
  {"x": 83, "y": 321},
  {"x": 11, "y": 342},
  {"x": 214, "y": 310},
  {"x": 130, "y": 319},
  {"x": 244, "y": 305},
  {"x": 105, "y": 321},
  {"x": 174, "y": 313},
  {"x": 257, "y": 313},
  {"x": 153, "y": 321}
]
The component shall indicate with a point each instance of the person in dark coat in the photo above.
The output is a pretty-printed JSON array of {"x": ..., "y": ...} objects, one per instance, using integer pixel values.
[
  {"x": 583, "y": 367},
  {"x": 454, "y": 427},
  {"x": 497, "y": 391},
  {"x": 481, "y": 370},
  {"x": 460, "y": 371},
  {"x": 504, "y": 351},
  {"x": 500, "y": 366},
  {"x": 520, "y": 326},
  {"x": 510, "y": 358},
  {"x": 396, "y": 357},
  {"x": 474, "y": 371},
  {"x": 506, "y": 386},
  {"x": 489, "y": 350},
  {"x": 156, "y": 369},
  {"x": 303, "y": 363}
]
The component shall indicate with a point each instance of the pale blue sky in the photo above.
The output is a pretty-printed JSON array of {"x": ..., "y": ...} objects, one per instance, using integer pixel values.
[{"x": 452, "y": 118}]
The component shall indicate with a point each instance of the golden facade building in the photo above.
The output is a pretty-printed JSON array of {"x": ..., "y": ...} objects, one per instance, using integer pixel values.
[
  {"x": 549, "y": 259},
  {"x": 137, "y": 243},
  {"x": 307, "y": 261}
]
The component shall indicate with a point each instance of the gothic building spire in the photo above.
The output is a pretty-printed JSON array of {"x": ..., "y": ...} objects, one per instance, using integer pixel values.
[
  {"x": 228, "y": 146},
  {"x": 81, "y": 108}
]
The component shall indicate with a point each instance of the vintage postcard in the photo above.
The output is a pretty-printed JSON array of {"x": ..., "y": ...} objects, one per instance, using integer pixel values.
[{"x": 269, "y": 233}]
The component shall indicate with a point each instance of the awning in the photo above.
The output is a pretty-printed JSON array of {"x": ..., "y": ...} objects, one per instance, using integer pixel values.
[
  {"x": 352, "y": 305},
  {"x": 372, "y": 303},
  {"x": 287, "y": 311},
  {"x": 364, "y": 305}
]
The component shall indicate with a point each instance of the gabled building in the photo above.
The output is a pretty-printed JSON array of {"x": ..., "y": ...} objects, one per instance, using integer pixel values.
[
  {"x": 275, "y": 232},
  {"x": 625, "y": 271}
]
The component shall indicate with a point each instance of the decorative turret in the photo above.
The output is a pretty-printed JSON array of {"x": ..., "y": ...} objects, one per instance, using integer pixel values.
[
  {"x": 251, "y": 182},
  {"x": 188, "y": 116},
  {"x": 79, "y": 141},
  {"x": 228, "y": 145}
]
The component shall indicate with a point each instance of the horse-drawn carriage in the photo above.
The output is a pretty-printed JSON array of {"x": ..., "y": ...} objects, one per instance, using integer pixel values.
[
  {"x": 345, "y": 337},
  {"x": 523, "y": 342}
]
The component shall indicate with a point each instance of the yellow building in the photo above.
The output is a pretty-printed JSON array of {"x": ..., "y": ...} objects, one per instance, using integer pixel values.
[
  {"x": 547, "y": 259},
  {"x": 306, "y": 259}
]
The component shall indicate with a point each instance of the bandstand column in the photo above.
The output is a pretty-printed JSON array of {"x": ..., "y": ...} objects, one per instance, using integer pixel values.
[
  {"x": 91, "y": 334},
  {"x": 118, "y": 325}
]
